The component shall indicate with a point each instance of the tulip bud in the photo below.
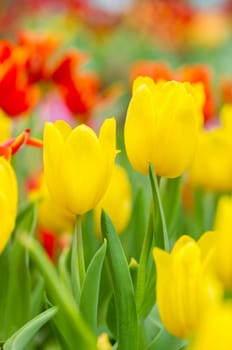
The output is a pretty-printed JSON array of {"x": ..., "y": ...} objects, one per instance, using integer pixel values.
[
  {"x": 77, "y": 164},
  {"x": 161, "y": 127},
  {"x": 185, "y": 289}
]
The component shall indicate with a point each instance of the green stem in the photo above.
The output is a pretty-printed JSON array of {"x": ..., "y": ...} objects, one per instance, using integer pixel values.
[
  {"x": 77, "y": 260},
  {"x": 80, "y": 250},
  {"x": 142, "y": 270},
  {"x": 162, "y": 239}
]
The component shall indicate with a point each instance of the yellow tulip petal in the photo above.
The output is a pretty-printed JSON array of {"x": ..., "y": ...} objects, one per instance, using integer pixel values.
[
  {"x": 176, "y": 139},
  {"x": 181, "y": 243},
  {"x": 63, "y": 127},
  {"x": 107, "y": 140},
  {"x": 206, "y": 244},
  {"x": 140, "y": 81},
  {"x": 164, "y": 293},
  {"x": 9, "y": 184},
  {"x": 84, "y": 166},
  {"x": 7, "y": 221},
  {"x": 52, "y": 148}
]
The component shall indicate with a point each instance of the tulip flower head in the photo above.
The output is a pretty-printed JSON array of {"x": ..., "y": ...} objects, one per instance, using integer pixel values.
[
  {"x": 8, "y": 201},
  {"x": 184, "y": 289},
  {"x": 77, "y": 164},
  {"x": 161, "y": 127}
]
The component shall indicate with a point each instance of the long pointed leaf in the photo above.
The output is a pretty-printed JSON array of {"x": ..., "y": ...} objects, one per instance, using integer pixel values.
[
  {"x": 18, "y": 311},
  {"x": 20, "y": 339},
  {"x": 90, "y": 290},
  {"x": 127, "y": 322},
  {"x": 161, "y": 234},
  {"x": 143, "y": 261},
  {"x": 68, "y": 319}
]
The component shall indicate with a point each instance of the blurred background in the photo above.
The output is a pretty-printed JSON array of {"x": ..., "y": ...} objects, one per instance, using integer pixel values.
[
  {"x": 120, "y": 37},
  {"x": 76, "y": 60}
]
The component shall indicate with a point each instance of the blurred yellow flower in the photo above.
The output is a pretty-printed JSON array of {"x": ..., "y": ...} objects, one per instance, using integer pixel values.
[
  {"x": 116, "y": 202},
  {"x": 211, "y": 168},
  {"x": 161, "y": 126},
  {"x": 223, "y": 241},
  {"x": 51, "y": 216},
  {"x": 185, "y": 286},
  {"x": 226, "y": 117},
  {"x": 8, "y": 201},
  {"x": 77, "y": 164},
  {"x": 215, "y": 330}
]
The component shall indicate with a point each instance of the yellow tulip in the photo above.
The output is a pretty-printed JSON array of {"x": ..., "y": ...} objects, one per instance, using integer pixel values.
[
  {"x": 185, "y": 287},
  {"x": 8, "y": 201},
  {"x": 51, "y": 216},
  {"x": 116, "y": 202},
  {"x": 223, "y": 241},
  {"x": 77, "y": 164},
  {"x": 215, "y": 330},
  {"x": 226, "y": 117},
  {"x": 211, "y": 168},
  {"x": 161, "y": 126}
]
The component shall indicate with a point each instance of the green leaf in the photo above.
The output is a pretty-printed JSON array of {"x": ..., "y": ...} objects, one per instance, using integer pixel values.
[
  {"x": 138, "y": 224},
  {"x": 161, "y": 234},
  {"x": 63, "y": 263},
  {"x": 4, "y": 283},
  {"x": 90, "y": 290},
  {"x": 111, "y": 317},
  {"x": 153, "y": 331},
  {"x": 27, "y": 219},
  {"x": 150, "y": 292},
  {"x": 165, "y": 340},
  {"x": 75, "y": 278},
  {"x": 161, "y": 339},
  {"x": 68, "y": 319},
  {"x": 37, "y": 297},
  {"x": 20, "y": 339},
  {"x": 143, "y": 261},
  {"x": 18, "y": 311},
  {"x": 127, "y": 323},
  {"x": 77, "y": 260}
]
